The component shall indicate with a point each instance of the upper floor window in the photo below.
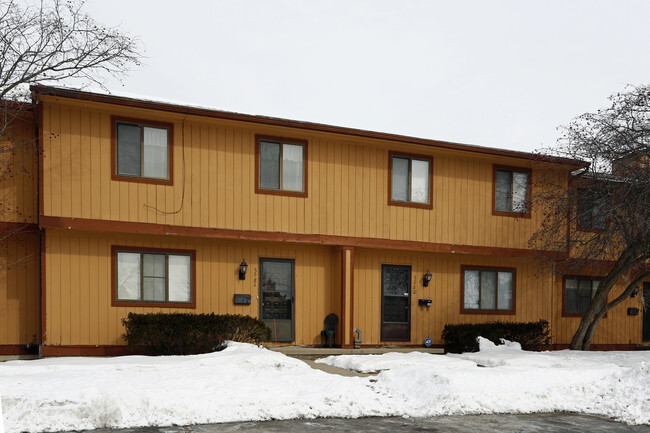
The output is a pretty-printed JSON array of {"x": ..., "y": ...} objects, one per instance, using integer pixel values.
[
  {"x": 410, "y": 180},
  {"x": 142, "y": 150},
  {"x": 591, "y": 210},
  {"x": 149, "y": 276},
  {"x": 281, "y": 166},
  {"x": 512, "y": 191},
  {"x": 578, "y": 293},
  {"x": 488, "y": 289}
]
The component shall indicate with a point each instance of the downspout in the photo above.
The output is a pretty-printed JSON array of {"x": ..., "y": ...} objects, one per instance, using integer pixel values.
[{"x": 37, "y": 109}]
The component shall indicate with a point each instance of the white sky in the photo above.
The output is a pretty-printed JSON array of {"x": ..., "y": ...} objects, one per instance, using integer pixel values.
[{"x": 493, "y": 73}]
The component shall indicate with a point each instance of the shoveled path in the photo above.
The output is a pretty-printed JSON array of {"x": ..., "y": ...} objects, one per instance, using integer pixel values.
[
  {"x": 334, "y": 370},
  {"x": 546, "y": 422}
]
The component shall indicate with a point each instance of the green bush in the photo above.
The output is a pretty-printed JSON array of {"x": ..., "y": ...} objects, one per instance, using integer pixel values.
[
  {"x": 186, "y": 334},
  {"x": 461, "y": 337}
]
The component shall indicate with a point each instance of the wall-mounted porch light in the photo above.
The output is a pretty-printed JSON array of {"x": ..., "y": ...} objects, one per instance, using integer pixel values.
[
  {"x": 426, "y": 278},
  {"x": 243, "y": 267}
]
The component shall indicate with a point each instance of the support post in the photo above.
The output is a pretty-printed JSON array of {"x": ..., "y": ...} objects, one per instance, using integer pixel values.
[{"x": 347, "y": 296}]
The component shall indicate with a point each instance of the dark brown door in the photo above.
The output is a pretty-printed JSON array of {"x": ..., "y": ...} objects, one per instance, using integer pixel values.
[
  {"x": 646, "y": 312},
  {"x": 276, "y": 296},
  {"x": 395, "y": 303}
]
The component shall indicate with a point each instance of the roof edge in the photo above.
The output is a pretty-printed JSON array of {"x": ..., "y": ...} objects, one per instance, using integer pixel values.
[{"x": 318, "y": 127}]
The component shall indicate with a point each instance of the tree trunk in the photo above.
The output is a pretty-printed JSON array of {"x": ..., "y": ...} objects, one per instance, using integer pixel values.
[
  {"x": 625, "y": 262},
  {"x": 588, "y": 335}
]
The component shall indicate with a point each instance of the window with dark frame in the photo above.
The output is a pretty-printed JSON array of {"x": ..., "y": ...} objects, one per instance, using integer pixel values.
[
  {"x": 591, "y": 210},
  {"x": 281, "y": 166},
  {"x": 578, "y": 293},
  {"x": 410, "y": 180},
  {"x": 142, "y": 150},
  {"x": 488, "y": 289},
  {"x": 512, "y": 191},
  {"x": 153, "y": 277}
]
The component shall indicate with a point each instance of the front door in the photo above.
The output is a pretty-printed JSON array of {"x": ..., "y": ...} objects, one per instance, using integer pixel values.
[
  {"x": 276, "y": 297},
  {"x": 395, "y": 303},
  {"x": 646, "y": 312}
]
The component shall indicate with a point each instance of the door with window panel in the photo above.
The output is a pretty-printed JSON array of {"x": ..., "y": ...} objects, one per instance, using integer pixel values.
[
  {"x": 277, "y": 297},
  {"x": 396, "y": 303}
]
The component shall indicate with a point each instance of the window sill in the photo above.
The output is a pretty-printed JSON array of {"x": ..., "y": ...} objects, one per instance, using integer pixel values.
[
  {"x": 281, "y": 193},
  {"x": 502, "y": 312},
  {"x": 149, "y": 304},
  {"x": 511, "y": 214},
  {"x": 578, "y": 315},
  {"x": 410, "y": 204},
  {"x": 166, "y": 182}
]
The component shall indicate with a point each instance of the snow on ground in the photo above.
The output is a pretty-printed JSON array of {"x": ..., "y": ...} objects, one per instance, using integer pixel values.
[
  {"x": 506, "y": 379},
  {"x": 246, "y": 382}
]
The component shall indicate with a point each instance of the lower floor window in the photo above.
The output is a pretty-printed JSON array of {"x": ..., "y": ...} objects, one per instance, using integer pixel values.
[
  {"x": 488, "y": 289},
  {"x": 578, "y": 293},
  {"x": 153, "y": 276}
]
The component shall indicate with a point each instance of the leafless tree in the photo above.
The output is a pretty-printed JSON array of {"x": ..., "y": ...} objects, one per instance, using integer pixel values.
[
  {"x": 48, "y": 42},
  {"x": 600, "y": 219}
]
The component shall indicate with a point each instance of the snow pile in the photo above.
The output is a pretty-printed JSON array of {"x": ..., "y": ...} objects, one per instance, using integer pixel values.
[
  {"x": 242, "y": 382},
  {"x": 393, "y": 360},
  {"x": 246, "y": 382},
  {"x": 506, "y": 379}
]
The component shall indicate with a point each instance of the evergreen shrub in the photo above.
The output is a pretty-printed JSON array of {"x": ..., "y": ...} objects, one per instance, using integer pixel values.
[
  {"x": 461, "y": 337},
  {"x": 188, "y": 334}
]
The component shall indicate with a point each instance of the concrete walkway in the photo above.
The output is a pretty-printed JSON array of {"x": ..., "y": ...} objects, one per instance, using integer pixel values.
[
  {"x": 545, "y": 422},
  {"x": 335, "y": 370},
  {"x": 321, "y": 352}
]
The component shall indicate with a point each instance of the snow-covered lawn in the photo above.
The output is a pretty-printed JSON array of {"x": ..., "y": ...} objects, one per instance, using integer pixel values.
[{"x": 245, "y": 382}]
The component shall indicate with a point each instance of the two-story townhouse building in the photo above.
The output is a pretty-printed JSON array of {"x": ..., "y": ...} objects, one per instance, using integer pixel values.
[{"x": 147, "y": 206}]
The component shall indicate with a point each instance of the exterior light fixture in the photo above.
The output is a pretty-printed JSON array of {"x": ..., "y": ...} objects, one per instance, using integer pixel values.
[
  {"x": 243, "y": 267},
  {"x": 426, "y": 278}
]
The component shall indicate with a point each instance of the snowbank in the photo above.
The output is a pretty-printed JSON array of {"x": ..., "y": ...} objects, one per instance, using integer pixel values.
[{"x": 246, "y": 382}]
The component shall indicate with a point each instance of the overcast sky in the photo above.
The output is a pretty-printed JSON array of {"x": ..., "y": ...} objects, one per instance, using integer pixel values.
[{"x": 493, "y": 73}]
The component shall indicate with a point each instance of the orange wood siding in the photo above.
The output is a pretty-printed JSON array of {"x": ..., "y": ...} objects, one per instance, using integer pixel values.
[
  {"x": 78, "y": 280},
  {"x": 18, "y": 171},
  {"x": 19, "y": 289},
  {"x": 617, "y": 327},
  {"x": 537, "y": 296},
  {"x": 214, "y": 164}
]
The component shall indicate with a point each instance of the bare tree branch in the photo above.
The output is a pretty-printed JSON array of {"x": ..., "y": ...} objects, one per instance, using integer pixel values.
[
  {"x": 603, "y": 210},
  {"x": 55, "y": 41}
]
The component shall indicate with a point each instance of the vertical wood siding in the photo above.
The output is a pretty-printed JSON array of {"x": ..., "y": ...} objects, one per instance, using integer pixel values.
[
  {"x": 19, "y": 321},
  {"x": 79, "y": 310},
  {"x": 78, "y": 284},
  {"x": 19, "y": 289},
  {"x": 18, "y": 171},
  {"x": 617, "y": 327},
  {"x": 214, "y": 187},
  {"x": 538, "y": 296}
]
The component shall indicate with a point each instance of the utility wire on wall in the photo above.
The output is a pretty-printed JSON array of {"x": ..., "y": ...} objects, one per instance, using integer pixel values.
[{"x": 180, "y": 207}]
